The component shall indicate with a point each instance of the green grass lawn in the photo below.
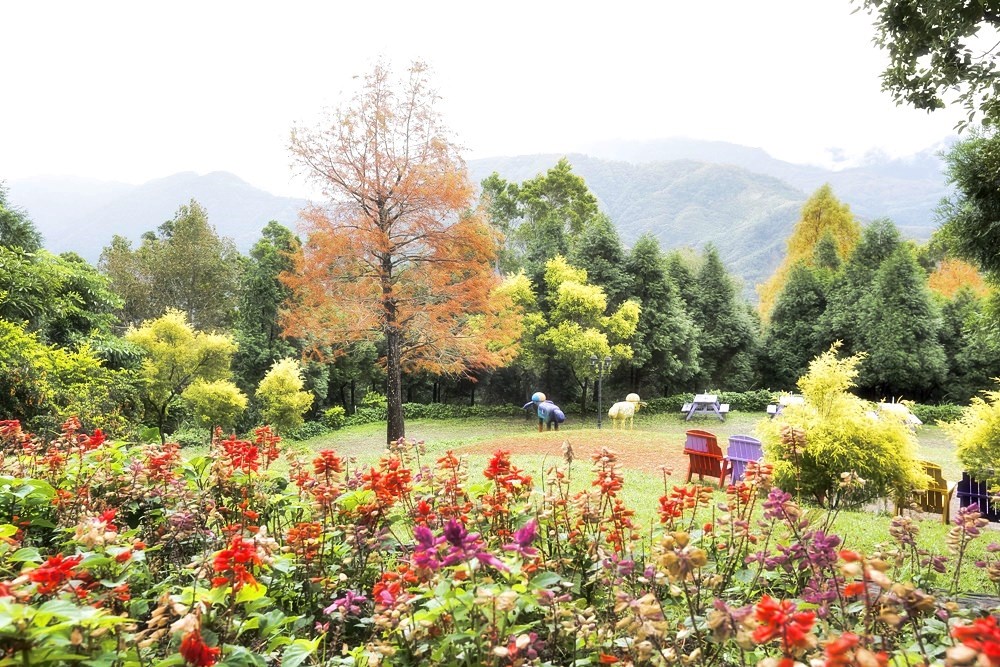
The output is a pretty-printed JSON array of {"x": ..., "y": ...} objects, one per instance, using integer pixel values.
[{"x": 656, "y": 440}]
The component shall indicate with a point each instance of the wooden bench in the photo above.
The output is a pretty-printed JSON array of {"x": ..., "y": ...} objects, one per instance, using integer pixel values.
[{"x": 937, "y": 497}]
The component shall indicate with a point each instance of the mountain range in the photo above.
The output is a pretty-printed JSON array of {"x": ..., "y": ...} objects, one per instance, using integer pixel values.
[{"x": 684, "y": 192}]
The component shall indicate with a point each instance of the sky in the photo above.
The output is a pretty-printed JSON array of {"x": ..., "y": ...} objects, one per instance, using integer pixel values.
[{"x": 131, "y": 91}]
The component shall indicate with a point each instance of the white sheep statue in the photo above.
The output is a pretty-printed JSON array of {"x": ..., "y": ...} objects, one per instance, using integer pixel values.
[{"x": 624, "y": 411}]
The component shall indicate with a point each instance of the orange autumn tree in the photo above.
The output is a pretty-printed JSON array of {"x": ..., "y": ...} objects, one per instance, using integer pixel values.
[
  {"x": 954, "y": 274},
  {"x": 396, "y": 254}
]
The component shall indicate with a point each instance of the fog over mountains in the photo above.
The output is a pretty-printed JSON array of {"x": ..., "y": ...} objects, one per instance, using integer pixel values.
[{"x": 684, "y": 192}]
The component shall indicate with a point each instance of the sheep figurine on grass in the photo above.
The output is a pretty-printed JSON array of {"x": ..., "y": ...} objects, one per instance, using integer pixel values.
[{"x": 625, "y": 411}]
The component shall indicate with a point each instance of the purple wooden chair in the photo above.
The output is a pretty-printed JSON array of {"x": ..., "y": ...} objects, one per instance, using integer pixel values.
[
  {"x": 742, "y": 450},
  {"x": 704, "y": 456}
]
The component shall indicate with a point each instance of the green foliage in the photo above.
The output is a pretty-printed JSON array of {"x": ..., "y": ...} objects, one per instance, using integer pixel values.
[
  {"x": 540, "y": 218},
  {"x": 931, "y": 414},
  {"x": 17, "y": 231},
  {"x": 374, "y": 399},
  {"x": 598, "y": 251},
  {"x": 184, "y": 265},
  {"x": 934, "y": 50},
  {"x": 62, "y": 298},
  {"x": 728, "y": 329},
  {"x": 839, "y": 436},
  {"x": 666, "y": 348},
  {"x": 899, "y": 331},
  {"x": 334, "y": 417},
  {"x": 215, "y": 403},
  {"x": 191, "y": 436},
  {"x": 283, "y": 403},
  {"x": 970, "y": 230},
  {"x": 176, "y": 356},
  {"x": 307, "y": 430},
  {"x": 792, "y": 338},
  {"x": 261, "y": 295},
  {"x": 977, "y": 435},
  {"x": 973, "y": 354},
  {"x": 46, "y": 384}
]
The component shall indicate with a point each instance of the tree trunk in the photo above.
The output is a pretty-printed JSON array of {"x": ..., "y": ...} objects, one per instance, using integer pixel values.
[
  {"x": 354, "y": 405},
  {"x": 393, "y": 384}
]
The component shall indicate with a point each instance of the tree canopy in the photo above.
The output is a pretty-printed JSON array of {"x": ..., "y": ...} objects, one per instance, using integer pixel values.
[
  {"x": 397, "y": 254},
  {"x": 940, "y": 48}
]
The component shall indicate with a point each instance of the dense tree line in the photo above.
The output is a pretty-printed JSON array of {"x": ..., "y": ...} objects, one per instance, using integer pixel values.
[{"x": 183, "y": 329}]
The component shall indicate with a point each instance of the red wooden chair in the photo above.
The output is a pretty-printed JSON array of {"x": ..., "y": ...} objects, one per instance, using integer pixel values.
[{"x": 704, "y": 456}]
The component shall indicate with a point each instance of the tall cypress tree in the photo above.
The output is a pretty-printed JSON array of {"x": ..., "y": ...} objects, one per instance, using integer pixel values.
[
  {"x": 666, "y": 343},
  {"x": 844, "y": 316},
  {"x": 598, "y": 250},
  {"x": 899, "y": 329},
  {"x": 728, "y": 331},
  {"x": 792, "y": 339}
]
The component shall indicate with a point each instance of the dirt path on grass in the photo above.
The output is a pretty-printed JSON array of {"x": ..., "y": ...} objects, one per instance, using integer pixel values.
[{"x": 636, "y": 450}]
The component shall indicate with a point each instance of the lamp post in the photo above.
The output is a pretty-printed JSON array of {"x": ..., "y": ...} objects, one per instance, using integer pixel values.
[{"x": 600, "y": 367}]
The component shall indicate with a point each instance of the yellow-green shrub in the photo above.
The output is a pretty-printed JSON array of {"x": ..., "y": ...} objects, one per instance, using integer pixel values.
[
  {"x": 841, "y": 436},
  {"x": 280, "y": 393},
  {"x": 977, "y": 435}
]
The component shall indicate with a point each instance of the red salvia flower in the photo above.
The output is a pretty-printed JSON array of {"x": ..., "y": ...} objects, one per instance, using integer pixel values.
[
  {"x": 327, "y": 462},
  {"x": 779, "y": 619},
  {"x": 983, "y": 637},
  {"x": 232, "y": 564},
  {"x": 196, "y": 652},
  {"x": 54, "y": 572}
]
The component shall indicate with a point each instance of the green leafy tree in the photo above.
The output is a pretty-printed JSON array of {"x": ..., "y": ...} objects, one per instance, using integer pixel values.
[
  {"x": 184, "y": 265},
  {"x": 727, "y": 328},
  {"x": 972, "y": 353},
  {"x": 176, "y": 355},
  {"x": 666, "y": 343},
  {"x": 791, "y": 338},
  {"x": 936, "y": 49},
  {"x": 977, "y": 436},
  {"x": 16, "y": 228},
  {"x": 43, "y": 385},
  {"x": 261, "y": 295},
  {"x": 578, "y": 324},
  {"x": 971, "y": 217},
  {"x": 541, "y": 217},
  {"x": 62, "y": 298},
  {"x": 282, "y": 399},
  {"x": 215, "y": 403},
  {"x": 812, "y": 445}
]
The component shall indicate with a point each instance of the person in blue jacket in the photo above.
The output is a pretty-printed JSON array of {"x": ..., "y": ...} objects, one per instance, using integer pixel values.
[{"x": 549, "y": 414}]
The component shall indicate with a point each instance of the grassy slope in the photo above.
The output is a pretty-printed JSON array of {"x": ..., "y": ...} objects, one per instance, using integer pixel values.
[{"x": 656, "y": 440}]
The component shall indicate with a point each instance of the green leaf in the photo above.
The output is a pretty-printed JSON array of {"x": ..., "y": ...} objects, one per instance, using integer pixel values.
[
  {"x": 250, "y": 593},
  {"x": 27, "y": 554},
  {"x": 298, "y": 652}
]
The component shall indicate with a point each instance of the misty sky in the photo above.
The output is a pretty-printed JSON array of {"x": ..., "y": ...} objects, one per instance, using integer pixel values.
[{"x": 131, "y": 91}]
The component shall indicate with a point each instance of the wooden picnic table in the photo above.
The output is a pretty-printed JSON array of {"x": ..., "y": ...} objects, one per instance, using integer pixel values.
[
  {"x": 784, "y": 401},
  {"x": 705, "y": 404}
]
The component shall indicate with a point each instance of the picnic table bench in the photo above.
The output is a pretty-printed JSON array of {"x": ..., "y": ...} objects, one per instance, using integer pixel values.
[
  {"x": 705, "y": 404},
  {"x": 776, "y": 409}
]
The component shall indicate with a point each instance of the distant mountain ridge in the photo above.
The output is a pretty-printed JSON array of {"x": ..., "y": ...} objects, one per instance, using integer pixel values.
[
  {"x": 82, "y": 215},
  {"x": 685, "y": 193}
]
